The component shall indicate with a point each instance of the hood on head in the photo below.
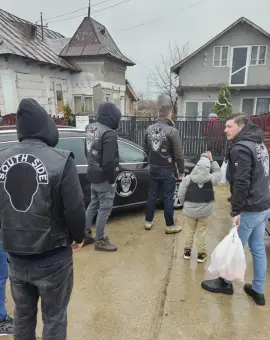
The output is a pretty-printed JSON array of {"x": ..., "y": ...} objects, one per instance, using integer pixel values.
[
  {"x": 251, "y": 133},
  {"x": 201, "y": 172},
  {"x": 109, "y": 115},
  {"x": 33, "y": 121}
]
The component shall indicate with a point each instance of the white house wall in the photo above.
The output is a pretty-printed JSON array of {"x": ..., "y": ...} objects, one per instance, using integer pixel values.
[
  {"x": 24, "y": 80},
  {"x": 37, "y": 82},
  {"x": 2, "y": 101},
  {"x": 107, "y": 75}
]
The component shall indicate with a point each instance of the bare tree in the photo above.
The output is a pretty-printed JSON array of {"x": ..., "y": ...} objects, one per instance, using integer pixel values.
[{"x": 161, "y": 77}]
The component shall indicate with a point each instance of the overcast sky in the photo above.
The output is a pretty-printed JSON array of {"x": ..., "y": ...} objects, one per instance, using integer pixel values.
[{"x": 144, "y": 44}]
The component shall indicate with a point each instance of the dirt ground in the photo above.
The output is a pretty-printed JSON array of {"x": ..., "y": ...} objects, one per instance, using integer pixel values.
[{"x": 147, "y": 291}]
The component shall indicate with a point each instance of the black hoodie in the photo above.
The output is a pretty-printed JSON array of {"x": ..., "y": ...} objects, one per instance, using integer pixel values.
[
  {"x": 249, "y": 168},
  {"x": 109, "y": 115},
  {"x": 34, "y": 123}
]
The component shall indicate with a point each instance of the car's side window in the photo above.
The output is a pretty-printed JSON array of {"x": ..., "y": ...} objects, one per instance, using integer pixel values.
[
  {"x": 76, "y": 145},
  {"x": 129, "y": 153}
]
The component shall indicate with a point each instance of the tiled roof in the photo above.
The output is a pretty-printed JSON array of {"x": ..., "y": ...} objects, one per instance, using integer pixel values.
[
  {"x": 15, "y": 40},
  {"x": 92, "y": 39}
]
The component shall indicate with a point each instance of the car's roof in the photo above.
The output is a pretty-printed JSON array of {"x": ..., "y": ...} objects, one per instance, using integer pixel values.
[{"x": 11, "y": 134}]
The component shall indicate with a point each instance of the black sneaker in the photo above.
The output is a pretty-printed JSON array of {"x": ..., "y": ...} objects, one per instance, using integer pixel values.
[
  {"x": 202, "y": 257},
  {"x": 89, "y": 239},
  {"x": 187, "y": 254},
  {"x": 6, "y": 326},
  {"x": 258, "y": 298},
  {"x": 218, "y": 286}
]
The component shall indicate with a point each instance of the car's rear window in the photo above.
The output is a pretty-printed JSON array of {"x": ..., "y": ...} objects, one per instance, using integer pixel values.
[{"x": 76, "y": 145}]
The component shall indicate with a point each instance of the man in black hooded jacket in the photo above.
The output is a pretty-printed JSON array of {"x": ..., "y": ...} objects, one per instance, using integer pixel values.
[
  {"x": 42, "y": 215},
  {"x": 103, "y": 161},
  {"x": 250, "y": 203}
]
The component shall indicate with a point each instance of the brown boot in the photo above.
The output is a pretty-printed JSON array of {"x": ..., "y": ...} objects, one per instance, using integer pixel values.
[
  {"x": 105, "y": 245},
  {"x": 173, "y": 230}
]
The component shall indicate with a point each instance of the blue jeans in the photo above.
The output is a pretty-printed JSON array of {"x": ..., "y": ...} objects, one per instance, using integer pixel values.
[
  {"x": 3, "y": 280},
  {"x": 251, "y": 230},
  {"x": 158, "y": 182},
  {"x": 102, "y": 198}
]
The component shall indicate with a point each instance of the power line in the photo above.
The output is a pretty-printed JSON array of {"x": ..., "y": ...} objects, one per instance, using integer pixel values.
[
  {"x": 163, "y": 17},
  {"x": 62, "y": 15},
  {"x": 76, "y": 11},
  {"x": 119, "y": 3}
]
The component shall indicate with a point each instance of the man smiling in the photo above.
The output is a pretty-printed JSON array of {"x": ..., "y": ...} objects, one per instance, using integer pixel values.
[{"x": 249, "y": 169}]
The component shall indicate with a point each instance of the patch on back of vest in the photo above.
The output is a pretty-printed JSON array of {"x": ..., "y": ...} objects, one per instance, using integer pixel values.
[
  {"x": 263, "y": 157},
  {"x": 22, "y": 175},
  {"x": 92, "y": 133},
  {"x": 156, "y": 136}
]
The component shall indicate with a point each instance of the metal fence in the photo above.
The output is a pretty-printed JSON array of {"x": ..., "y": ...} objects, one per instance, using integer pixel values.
[{"x": 197, "y": 136}]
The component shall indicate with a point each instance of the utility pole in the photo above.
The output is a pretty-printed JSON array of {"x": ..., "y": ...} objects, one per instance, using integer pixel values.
[
  {"x": 41, "y": 20},
  {"x": 89, "y": 8}
]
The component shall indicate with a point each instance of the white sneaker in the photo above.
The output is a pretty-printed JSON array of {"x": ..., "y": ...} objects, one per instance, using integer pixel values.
[{"x": 148, "y": 225}]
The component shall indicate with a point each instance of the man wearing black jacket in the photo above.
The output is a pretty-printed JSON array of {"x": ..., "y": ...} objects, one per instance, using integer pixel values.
[
  {"x": 42, "y": 216},
  {"x": 162, "y": 144},
  {"x": 249, "y": 170},
  {"x": 103, "y": 160}
]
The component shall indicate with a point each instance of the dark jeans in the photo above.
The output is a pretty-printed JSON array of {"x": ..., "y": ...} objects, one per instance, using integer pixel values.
[
  {"x": 166, "y": 183},
  {"x": 52, "y": 282}
]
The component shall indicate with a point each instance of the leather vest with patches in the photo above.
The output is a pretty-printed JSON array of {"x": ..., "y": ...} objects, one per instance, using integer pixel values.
[
  {"x": 259, "y": 185},
  {"x": 160, "y": 146},
  {"x": 32, "y": 215},
  {"x": 196, "y": 194},
  {"x": 94, "y": 151}
]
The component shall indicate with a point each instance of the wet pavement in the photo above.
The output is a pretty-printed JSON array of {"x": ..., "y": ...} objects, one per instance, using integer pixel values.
[{"x": 146, "y": 290}]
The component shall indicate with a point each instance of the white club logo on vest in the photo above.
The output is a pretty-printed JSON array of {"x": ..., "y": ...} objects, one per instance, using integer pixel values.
[
  {"x": 156, "y": 137},
  {"x": 22, "y": 174},
  {"x": 126, "y": 183},
  {"x": 263, "y": 157},
  {"x": 91, "y": 136}
]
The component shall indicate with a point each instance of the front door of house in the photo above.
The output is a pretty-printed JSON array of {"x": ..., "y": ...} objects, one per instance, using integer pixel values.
[{"x": 239, "y": 66}]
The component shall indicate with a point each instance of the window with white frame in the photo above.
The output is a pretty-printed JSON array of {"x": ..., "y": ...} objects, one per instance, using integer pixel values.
[
  {"x": 83, "y": 104},
  {"x": 198, "y": 108},
  {"x": 192, "y": 109},
  {"x": 248, "y": 106},
  {"x": 221, "y": 56},
  {"x": 258, "y": 55},
  {"x": 262, "y": 105},
  {"x": 207, "y": 108},
  {"x": 255, "y": 105}
]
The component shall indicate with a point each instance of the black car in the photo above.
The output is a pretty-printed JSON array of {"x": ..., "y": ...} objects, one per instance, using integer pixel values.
[{"x": 133, "y": 175}]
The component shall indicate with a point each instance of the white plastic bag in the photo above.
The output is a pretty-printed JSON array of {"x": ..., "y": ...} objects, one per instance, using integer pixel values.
[
  {"x": 228, "y": 259},
  {"x": 223, "y": 170}
]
